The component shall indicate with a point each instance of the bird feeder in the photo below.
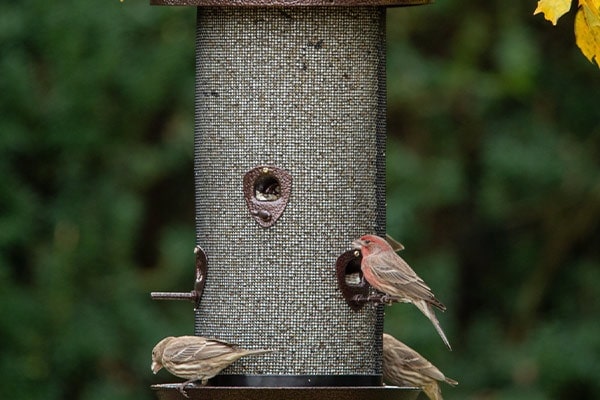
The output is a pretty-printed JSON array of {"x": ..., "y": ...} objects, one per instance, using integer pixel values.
[{"x": 289, "y": 167}]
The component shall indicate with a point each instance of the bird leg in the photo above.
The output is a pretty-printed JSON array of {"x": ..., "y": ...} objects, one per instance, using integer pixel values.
[
  {"x": 182, "y": 388},
  {"x": 381, "y": 298},
  {"x": 374, "y": 298}
]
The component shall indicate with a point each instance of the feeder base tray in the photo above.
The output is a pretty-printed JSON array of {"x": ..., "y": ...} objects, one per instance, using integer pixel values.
[{"x": 171, "y": 392}]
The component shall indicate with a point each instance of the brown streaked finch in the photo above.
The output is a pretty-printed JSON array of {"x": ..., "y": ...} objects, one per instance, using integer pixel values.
[
  {"x": 387, "y": 272},
  {"x": 196, "y": 358},
  {"x": 402, "y": 366},
  {"x": 396, "y": 245}
]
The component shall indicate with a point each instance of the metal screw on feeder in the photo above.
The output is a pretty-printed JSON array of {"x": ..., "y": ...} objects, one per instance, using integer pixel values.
[{"x": 289, "y": 91}]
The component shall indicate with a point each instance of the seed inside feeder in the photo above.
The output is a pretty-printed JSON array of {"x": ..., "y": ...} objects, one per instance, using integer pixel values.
[{"x": 267, "y": 188}]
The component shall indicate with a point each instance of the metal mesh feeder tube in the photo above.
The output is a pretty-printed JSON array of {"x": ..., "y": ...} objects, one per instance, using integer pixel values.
[
  {"x": 289, "y": 88},
  {"x": 289, "y": 168}
]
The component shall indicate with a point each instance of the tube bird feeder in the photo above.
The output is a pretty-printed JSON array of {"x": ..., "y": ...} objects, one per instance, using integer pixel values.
[{"x": 290, "y": 131}]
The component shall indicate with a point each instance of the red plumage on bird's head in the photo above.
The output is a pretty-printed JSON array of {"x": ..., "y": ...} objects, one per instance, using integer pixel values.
[{"x": 371, "y": 244}]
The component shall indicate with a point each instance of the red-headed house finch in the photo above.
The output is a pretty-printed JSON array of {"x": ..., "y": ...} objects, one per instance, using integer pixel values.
[
  {"x": 402, "y": 366},
  {"x": 196, "y": 358},
  {"x": 387, "y": 272}
]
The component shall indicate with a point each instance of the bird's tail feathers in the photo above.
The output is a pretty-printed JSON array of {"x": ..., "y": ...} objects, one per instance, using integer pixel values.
[
  {"x": 450, "y": 381},
  {"x": 433, "y": 391},
  {"x": 429, "y": 313},
  {"x": 256, "y": 352}
]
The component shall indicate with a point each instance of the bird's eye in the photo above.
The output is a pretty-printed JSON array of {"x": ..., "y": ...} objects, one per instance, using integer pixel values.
[{"x": 367, "y": 241}]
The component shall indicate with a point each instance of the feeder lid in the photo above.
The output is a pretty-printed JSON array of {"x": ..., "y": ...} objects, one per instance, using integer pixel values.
[{"x": 288, "y": 3}]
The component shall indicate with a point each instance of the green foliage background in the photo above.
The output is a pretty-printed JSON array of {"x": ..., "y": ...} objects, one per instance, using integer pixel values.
[{"x": 493, "y": 187}]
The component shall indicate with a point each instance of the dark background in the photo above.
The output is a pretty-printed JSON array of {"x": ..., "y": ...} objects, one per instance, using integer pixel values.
[{"x": 493, "y": 187}]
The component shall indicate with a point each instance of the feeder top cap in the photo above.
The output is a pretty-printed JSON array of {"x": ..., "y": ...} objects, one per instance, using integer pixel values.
[{"x": 288, "y": 3}]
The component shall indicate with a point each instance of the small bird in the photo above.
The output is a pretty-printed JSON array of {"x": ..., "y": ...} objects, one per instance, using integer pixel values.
[
  {"x": 396, "y": 245},
  {"x": 387, "y": 272},
  {"x": 196, "y": 358},
  {"x": 402, "y": 366}
]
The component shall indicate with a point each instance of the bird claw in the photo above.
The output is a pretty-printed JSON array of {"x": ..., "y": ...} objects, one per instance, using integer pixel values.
[
  {"x": 182, "y": 389},
  {"x": 381, "y": 298},
  {"x": 359, "y": 298},
  {"x": 374, "y": 298}
]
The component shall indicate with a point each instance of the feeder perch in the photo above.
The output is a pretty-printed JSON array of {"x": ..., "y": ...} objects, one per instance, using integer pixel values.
[
  {"x": 196, "y": 294},
  {"x": 290, "y": 132}
]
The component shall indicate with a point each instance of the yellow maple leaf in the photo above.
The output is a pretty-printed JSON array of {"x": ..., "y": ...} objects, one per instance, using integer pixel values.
[
  {"x": 553, "y": 9},
  {"x": 587, "y": 29},
  {"x": 592, "y": 11}
]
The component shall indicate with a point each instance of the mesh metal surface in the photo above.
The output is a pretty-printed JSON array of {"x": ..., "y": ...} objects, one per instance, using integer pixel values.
[{"x": 302, "y": 89}]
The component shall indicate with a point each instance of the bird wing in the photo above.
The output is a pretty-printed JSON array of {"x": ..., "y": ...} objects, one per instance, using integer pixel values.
[
  {"x": 196, "y": 348},
  {"x": 216, "y": 348},
  {"x": 393, "y": 268},
  {"x": 416, "y": 362},
  {"x": 390, "y": 268}
]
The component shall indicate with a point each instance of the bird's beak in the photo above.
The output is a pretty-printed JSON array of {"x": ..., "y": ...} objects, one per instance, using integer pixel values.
[
  {"x": 155, "y": 367},
  {"x": 358, "y": 244}
]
